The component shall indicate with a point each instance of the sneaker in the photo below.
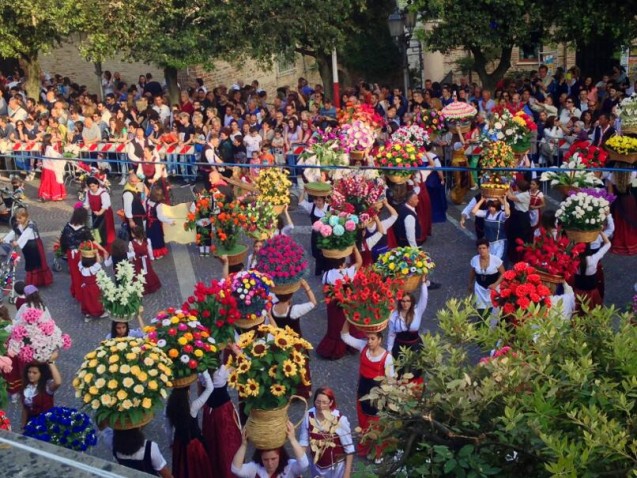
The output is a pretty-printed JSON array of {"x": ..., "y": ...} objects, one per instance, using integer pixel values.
[
  {"x": 103, "y": 316},
  {"x": 87, "y": 319},
  {"x": 434, "y": 285}
]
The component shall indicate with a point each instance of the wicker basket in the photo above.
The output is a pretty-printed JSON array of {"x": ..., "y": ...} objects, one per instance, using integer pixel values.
[
  {"x": 357, "y": 155},
  {"x": 183, "y": 382},
  {"x": 237, "y": 183},
  {"x": 278, "y": 208},
  {"x": 248, "y": 324},
  {"x": 397, "y": 178},
  {"x": 313, "y": 190},
  {"x": 459, "y": 128},
  {"x": 630, "y": 158},
  {"x": 629, "y": 130},
  {"x": 550, "y": 280},
  {"x": 337, "y": 253},
  {"x": 582, "y": 236},
  {"x": 368, "y": 329},
  {"x": 493, "y": 193},
  {"x": 125, "y": 424},
  {"x": 266, "y": 429},
  {"x": 411, "y": 283},
  {"x": 237, "y": 257},
  {"x": 286, "y": 288}
]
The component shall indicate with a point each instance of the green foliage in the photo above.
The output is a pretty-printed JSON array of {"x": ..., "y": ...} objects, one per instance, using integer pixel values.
[{"x": 561, "y": 402}]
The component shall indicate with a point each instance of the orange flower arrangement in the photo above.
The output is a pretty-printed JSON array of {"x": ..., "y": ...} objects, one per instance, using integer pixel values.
[{"x": 227, "y": 224}]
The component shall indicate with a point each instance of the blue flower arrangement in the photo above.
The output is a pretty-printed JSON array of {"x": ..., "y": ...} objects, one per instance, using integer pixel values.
[{"x": 62, "y": 426}]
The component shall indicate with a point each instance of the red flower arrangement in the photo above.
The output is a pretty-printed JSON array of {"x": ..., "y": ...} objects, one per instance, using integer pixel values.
[
  {"x": 367, "y": 299},
  {"x": 216, "y": 308},
  {"x": 591, "y": 156},
  {"x": 399, "y": 155},
  {"x": 283, "y": 259},
  {"x": 558, "y": 257},
  {"x": 355, "y": 194},
  {"x": 360, "y": 112},
  {"x": 5, "y": 423},
  {"x": 520, "y": 287}
]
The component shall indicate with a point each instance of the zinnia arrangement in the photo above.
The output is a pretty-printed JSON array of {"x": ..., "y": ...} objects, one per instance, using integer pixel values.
[
  {"x": 251, "y": 289},
  {"x": 185, "y": 340},
  {"x": 367, "y": 298},
  {"x": 413, "y": 134},
  {"x": 274, "y": 186},
  {"x": 355, "y": 194},
  {"x": 227, "y": 225},
  {"x": 122, "y": 297},
  {"x": 589, "y": 155},
  {"x": 583, "y": 212},
  {"x": 399, "y": 155},
  {"x": 337, "y": 230},
  {"x": 270, "y": 368},
  {"x": 403, "y": 262},
  {"x": 357, "y": 136},
  {"x": 62, "y": 426},
  {"x": 520, "y": 287},
  {"x": 123, "y": 381},
  {"x": 216, "y": 308},
  {"x": 431, "y": 120},
  {"x": 573, "y": 173},
  {"x": 34, "y": 337},
  {"x": 282, "y": 259}
]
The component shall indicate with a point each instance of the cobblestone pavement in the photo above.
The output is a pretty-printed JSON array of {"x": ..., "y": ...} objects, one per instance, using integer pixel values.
[{"x": 451, "y": 248}]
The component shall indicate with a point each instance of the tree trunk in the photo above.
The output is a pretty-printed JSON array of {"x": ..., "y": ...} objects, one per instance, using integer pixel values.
[
  {"x": 32, "y": 70},
  {"x": 490, "y": 80},
  {"x": 170, "y": 74},
  {"x": 325, "y": 70}
]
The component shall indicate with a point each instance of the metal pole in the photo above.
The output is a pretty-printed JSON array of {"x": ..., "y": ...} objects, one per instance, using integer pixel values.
[
  {"x": 405, "y": 67},
  {"x": 336, "y": 90}
]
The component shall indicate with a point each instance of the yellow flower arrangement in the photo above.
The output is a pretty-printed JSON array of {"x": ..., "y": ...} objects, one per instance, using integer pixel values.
[
  {"x": 622, "y": 144},
  {"x": 497, "y": 154},
  {"x": 113, "y": 380},
  {"x": 274, "y": 186},
  {"x": 282, "y": 352}
]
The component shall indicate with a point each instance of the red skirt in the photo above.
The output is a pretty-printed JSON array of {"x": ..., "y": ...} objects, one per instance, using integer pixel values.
[
  {"x": 222, "y": 437},
  {"x": 14, "y": 378},
  {"x": 365, "y": 422},
  {"x": 50, "y": 189},
  {"x": 111, "y": 234},
  {"x": 391, "y": 239},
  {"x": 423, "y": 211},
  {"x": 40, "y": 277},
  {"x": 591, "y": 297},
  {"x": 153, "y": 284},
  {"x": 73, "y": 258},
  {"x": 91, "y": 297},
  {"x": 624, "y": 242},
  {"x": 332, "y": 346},
  {"x": 191, "y": 460}
]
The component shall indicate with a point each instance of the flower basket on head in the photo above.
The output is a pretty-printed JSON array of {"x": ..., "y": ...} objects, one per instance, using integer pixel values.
[
  {"x": 35, "y": 337},
  {"x": 627, "y": 110},
  {"x": 364, "y": 113},
  {"x": 589, "y": 155},
  {"x": 356, "y": 194},
  {"x": 622, "y": 149},
  {"x": 274, "y": 186},
  {"x": 367, "y": 299},
  {"x": 251, "y": 289},
  {"x": 87, "y": 249},
  {"x": 520, "y": 287},
  {"x": 124, "y": 381},
  {"x": 62, "y": 426},
  {"x": 458, "y": 116},
  {"x": 582, "y": 216},
  {"x": 432, "y": 121},
  {"x": 261, "y": 217},
  {"x": 318, "y": 189},
  {"x": 337, "y": 232},
  {"x": 399, "y": 155},
  {"x": 284, "y": 261},
  {"x": 573, "y": 174},
  {"x": 323, "y": 150},
  {"x": 514, "y": 128},
  {"x": 414, "y": 134},
  {"x": 266, "y": 375},
  {"x": 122, "y": 298},
  {"x": 495, "y": 184},
  {"x": 216, "y": 308},
  {"x": 355, "y": 138},
  {"x": 408, "y": 264},
  {"x": 227, "y": 223},
  {"x": 186, "y": 342}
]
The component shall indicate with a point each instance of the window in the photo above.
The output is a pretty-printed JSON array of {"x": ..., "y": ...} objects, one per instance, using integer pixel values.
[
  {"x": 530, "y": 52},
  {"x": 285, "y": 65}
]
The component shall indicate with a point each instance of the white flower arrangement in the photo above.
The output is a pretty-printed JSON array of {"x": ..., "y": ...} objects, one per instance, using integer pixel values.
[
  {"x": 71, "y": 151},
  {"x": 583, "y": 212},
  {"x": 627, "y": 111},
  {"x": 574, "y": 173},
  {"x": 413, "y": 134},
  {"x": 124, "y": 296}
]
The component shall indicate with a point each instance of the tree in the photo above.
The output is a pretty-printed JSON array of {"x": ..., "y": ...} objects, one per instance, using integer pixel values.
[
  {"x": 476, "y": 26},
  {"x": 30, "y": 27},
  {"x": 561, "y": 401}
]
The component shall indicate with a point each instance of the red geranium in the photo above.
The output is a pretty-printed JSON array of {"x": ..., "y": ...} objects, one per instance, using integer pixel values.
[
  {"x": 558, "y": 257},
  {"x": 520, "y": 287},
  {"x": 591, "y": 156}
]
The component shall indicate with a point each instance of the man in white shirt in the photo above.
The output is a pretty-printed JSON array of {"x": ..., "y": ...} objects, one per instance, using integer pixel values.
[
  {"x": 162, "y": 110},
  {"x": 252, "y": 142},
  {"x": 16, "y": 111}
]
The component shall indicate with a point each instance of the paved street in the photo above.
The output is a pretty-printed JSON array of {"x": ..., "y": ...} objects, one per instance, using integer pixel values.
[{"x": 450, "y": 247}]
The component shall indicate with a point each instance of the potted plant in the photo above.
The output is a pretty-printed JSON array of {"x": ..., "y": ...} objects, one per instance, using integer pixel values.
[
  {"x": 266, "y": 375},
  {"x": 515, "y": 129},
  {"x": 62, "y": 426},
  {"x": 495, "y": 184},
  {"x": 251, "y": 289},
  {"x": 622, "y": 149},
  {"x": 186, "y": 342},
  {"x": 414, "y": 134},
  {"x": 122, "y": 298},
  {"x": 337, "y": 234},
  {"x": 582, "y": 216},
  {"x": 227, "y": 224},
  {"x": 520, "y": 287},
  {"x": 355, "y": 194},
  {"x": 274, "y": 187},
  {"x": 398, "y": 155},
  {"x": 283, "y": 260},
  {"x": 367, "y": 299},
  {"x": 35, "y": 337},
  {"x": 408, "y": 264},
  {"x": 216, "y": 308},
  {"x": 458, "y": 116},
  {"x": 124, "y": 381},
  {"x": 356, "y": 139}
]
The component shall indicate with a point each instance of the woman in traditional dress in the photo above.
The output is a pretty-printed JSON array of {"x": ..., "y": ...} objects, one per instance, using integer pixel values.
[
  {"x": 423, "y": 208},
  {"x": 131, "y": 449},
  {"x": 405, "y": 320},
  {"x": 154, "y": 218},
  {"x": 435, "y": 183},
  {"x": 332, "y": 346},
  {"x": 190, "y": 459},
  {"x": 98, "y": 201},
  {"x": 52, "y": 182},
  {"x": 519, "y": 223},
  {"x": 586, "y": 285},
  {"x": 624, "y": 209},
  {"x": 375, "y": 362},
  {"x": 40, "y": 383},
  {"x": 286, "y": 314},
  {"x": 485, "y": 275},
  {"x": 461, "y": 179},
  {"x": 327, "y": 433},
  {"x": 494, "y": 221},
  {"x": 316, "y": 207},
  {"x": 25, "y": 235},
  {"x": 375, "y": 235},
  {"x": 142, "y": 248},
  {"x": 90, "y": 293},
  {"x": 153, "y": 170},
  {"x": 74, "y": 233},
  {"x": 537, "y": 203}
]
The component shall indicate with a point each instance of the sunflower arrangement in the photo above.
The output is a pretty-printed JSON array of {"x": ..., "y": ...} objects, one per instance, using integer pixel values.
[
  {"x": 274, "y": 186},
  {"x": 185, "y": 340},
  {"x": 270, "y": 368},
  {"x": 123, "y": 381}
]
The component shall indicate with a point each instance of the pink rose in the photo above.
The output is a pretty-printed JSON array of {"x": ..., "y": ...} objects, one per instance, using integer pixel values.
[
  {"x": 47, "y": 327},
  {"x": 5, "y": 365},
  {"x": 350, "y": 226},
  {"x": 317, "y": 225},
  {"x": 326, "y": 230},
  {"x": 66, "y": 341}
]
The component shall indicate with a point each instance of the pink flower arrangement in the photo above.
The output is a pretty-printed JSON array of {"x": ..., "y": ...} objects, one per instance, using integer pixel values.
[
  {"x": 35, "y": 337},
  {"x": 355, "y": 194},
  {"x": 414, "y": 134},
  {"x": 283, "y": 259},
  {"x": 357, "y": 136},
  {"x": 5, "y": 364}
]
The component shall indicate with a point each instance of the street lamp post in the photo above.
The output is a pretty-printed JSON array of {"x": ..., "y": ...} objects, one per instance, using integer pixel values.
[{"x": 401, "y": 27}]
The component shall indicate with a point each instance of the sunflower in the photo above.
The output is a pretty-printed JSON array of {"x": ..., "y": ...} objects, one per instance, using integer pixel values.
[
  {"x": 298, "y": 358},
  {"x": 243, "y": 365},
  {"x": 273, "y": 371},
  {"x": 252, "y": 387},
  {"x": 289, "y": 368},
  {"x": 243, "y": 392},
  {"x": 245, "y": 339},
  {"x": 230, "y": 360},
  {"x": 259, "y": 349},
  {"x": 282, "y": 341},
  {"x": 233, "y": 379},
  {"x": 277, "y": 390},
  {"x": 305, "y": 380}
]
